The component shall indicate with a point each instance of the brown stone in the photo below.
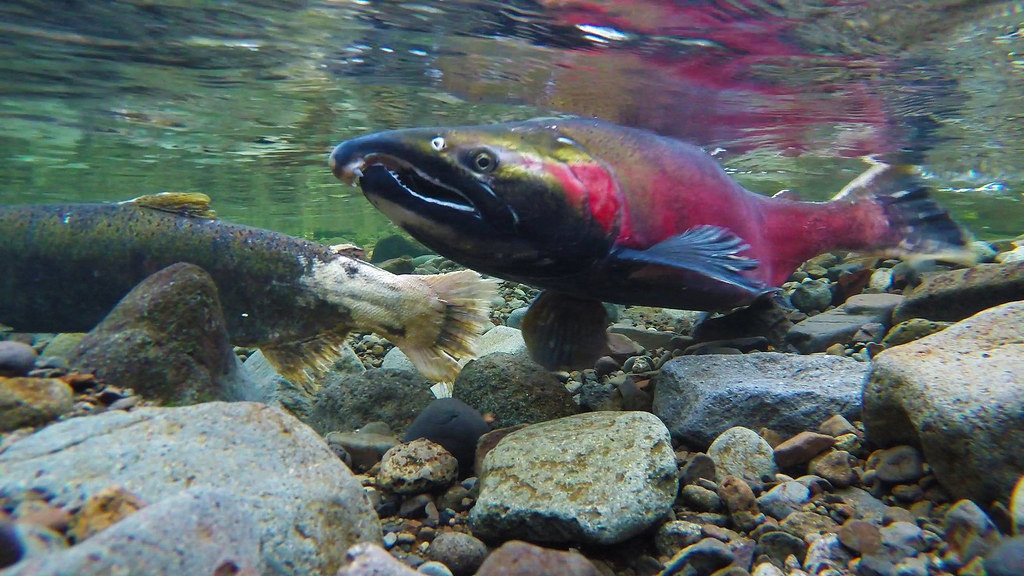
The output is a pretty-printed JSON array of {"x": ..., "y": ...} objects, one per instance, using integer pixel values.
[
  {"x": 837, "y": 426},
  {"x": 802, "y": 524},
  {"x": 862, "y": 537},
  {"x": 801, "y": 448},
  {"x": 516, "y": 558},
  {"x": 835, "y": 466}
]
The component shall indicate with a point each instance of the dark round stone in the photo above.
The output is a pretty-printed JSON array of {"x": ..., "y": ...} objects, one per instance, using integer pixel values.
[
  {"x": 11, "y": 548},
  {"x": 778, "y": 545},
  {"x": 461, "y": 553},
  {"x": 453, "y": 424}
]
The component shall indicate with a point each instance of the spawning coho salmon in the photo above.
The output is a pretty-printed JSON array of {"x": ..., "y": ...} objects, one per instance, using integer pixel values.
[
  {"x": 593, "y": 211},
  {"x": 65, "y": 266}
]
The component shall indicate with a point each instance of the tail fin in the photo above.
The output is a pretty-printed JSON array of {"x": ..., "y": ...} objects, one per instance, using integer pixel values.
[
  {"x": 466, "y": 298},
  {"x": 917, "y": 226}
]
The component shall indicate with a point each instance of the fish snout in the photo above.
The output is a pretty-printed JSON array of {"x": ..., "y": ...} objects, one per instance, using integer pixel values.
[{"x": 345, "y": 166}]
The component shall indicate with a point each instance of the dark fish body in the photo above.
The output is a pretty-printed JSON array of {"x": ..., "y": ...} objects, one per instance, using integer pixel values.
[
  {"x": 595, "y": 211},
  {"x": 65, "y": 266}
]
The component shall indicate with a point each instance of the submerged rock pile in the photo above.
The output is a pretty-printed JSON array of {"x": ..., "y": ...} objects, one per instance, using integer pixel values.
[{"x": 855, "y": 425}]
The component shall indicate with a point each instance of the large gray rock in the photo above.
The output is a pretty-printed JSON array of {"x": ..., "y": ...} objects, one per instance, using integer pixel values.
[
  {"x": 349, "y": 402},
  {"x": 594, "y": 478},
  {"x": 957, "y": 294},
  {"x": 166, "y": 339},
  {"x": 306, "y": 505},
  {"x": 699, "y": 397},
  {"x": 513, "y": 389},
  {"x": 958, "y": 396},
  {"x": 198, "y": 531},
  {"x": 817, "y": 333}
]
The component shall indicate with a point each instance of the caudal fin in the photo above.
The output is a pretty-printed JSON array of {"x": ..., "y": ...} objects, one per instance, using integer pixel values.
[
  {"x": 917, "y": 227},
  {"x": 466, "y": 298}
]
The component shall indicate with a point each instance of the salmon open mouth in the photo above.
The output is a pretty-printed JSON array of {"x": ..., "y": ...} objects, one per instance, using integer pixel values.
[
  {"x": 387, "y": 175},
  {"x": 425, "y": 193}
]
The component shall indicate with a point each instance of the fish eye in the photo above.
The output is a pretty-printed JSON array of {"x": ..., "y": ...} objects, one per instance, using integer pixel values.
[
  {"x": 482, "y": 160},
  {"x": 437, "y": 143}
]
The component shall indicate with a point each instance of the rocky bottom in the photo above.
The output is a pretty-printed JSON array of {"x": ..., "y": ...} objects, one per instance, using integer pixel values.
[{"x": 867, "y": 421}]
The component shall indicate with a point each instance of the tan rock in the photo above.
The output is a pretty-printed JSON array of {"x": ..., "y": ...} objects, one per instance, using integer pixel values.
[{"x": 957, "y": 396}]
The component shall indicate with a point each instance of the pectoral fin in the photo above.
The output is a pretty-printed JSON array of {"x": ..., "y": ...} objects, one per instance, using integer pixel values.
[
  {"x": 565, "y": 332},
  {"x": 709, "y": 250}
]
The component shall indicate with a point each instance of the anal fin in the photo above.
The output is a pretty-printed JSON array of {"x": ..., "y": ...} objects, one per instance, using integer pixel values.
[
  {"x": 305, "y": 362},
  {"x": 563, "y": 332},
  {"x": 709, "y": 250}
]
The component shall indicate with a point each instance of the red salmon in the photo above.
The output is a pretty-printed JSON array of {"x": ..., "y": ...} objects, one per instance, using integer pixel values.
[{"x": 592, "y": 212}]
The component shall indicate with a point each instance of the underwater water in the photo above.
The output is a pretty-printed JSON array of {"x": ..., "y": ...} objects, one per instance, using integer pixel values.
[{"x": 243, "y": 100}]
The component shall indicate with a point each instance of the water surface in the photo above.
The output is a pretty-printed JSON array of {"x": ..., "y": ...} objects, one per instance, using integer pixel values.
[{"x": 243, "y": 100}]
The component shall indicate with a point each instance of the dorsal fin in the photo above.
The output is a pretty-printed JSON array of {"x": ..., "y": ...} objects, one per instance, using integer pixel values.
[{"x": 194, "y": 204}]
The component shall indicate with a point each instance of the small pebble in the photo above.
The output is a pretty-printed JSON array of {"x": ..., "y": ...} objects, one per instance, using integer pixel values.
[
  {"x": 433, "y": 568},
  {"x": 16, "y": 358},
  {"x": 461, "y": 553}
]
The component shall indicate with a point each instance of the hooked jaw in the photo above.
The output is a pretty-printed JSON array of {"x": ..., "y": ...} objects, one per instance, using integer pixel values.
[
  {"x": 390, "y": 176},
  {"x": 419, "y": 189}
]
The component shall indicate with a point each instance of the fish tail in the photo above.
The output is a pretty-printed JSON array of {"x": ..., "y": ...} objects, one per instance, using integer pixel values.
[
  {"x": 466, "y": 298},
  {"x": 910, "y": 224}
]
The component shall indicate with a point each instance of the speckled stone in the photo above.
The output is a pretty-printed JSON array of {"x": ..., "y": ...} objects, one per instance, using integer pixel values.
[
  {"x": 304, "y": 504},
  {"x": 615, "y": 479},
  {"x": 742, "y": 452},
  {"x": 804, "y": 524},
  {"x": 417, "y": 467},
  {"x": 197, "y": 531},
  {"x": 958, "y": 396},
  {"x": 32, "y": 401},
  {"x": 675, "y": 535}
]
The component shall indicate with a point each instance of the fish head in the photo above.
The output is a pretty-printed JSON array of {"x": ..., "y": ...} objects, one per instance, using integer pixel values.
[{"x": 514, "y": 200}]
